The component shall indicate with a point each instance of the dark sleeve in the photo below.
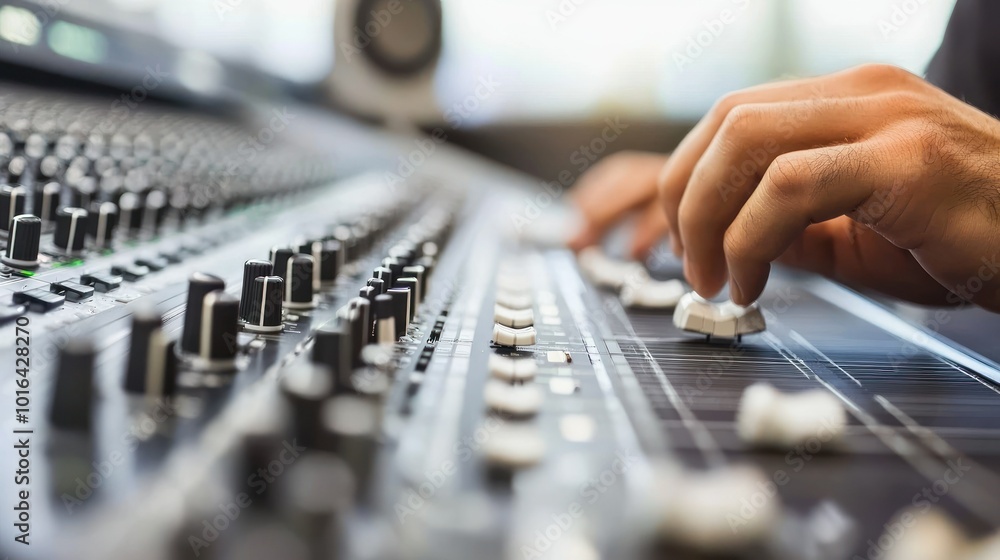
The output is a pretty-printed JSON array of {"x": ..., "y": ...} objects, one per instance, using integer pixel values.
[{"x": 968, "y": 63}]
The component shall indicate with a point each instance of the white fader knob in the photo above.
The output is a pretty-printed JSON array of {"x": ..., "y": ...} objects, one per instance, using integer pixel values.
[
  {"x": 695, "y": 314},
  {"x": 769, "y": 418},
  {"x": 514, "y": 318},
  {"x": 513, "y": 370},
  {"x": 506, "y": 336},
  {"x": 606, "y": 272},
  {"x": 652, "y": 294}
]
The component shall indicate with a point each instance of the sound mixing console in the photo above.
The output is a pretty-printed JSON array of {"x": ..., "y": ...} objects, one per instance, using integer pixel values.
[{"x": 214, "y": 351}]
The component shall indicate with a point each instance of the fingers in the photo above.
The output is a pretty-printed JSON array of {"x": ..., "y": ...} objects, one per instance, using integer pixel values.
[
  {"x": 798, "y": 189},
  {"x": 846, "y": 251},
  {"x": 611, "y": 189},
  {"x": 650, "y": 227},
  {"x": 749, "y": 140},
  {"x": 850, "y": 83}
]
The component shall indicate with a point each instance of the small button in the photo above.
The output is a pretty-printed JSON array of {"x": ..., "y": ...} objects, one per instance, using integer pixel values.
[
  {"x": 152, "y": 263},
  {"x": 72, "y": 290},
  {"x": 101, "y": 282},
  {"x": 130, "y": 273},
  {"x": 39, "y": 300}
]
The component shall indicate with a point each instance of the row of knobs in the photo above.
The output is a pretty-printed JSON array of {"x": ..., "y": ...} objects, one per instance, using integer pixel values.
[{"x": 74, "y": 227}]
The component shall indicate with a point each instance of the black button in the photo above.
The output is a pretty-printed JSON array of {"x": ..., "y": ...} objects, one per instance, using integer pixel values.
[
  {"x": 8, "y": 314},
  {"x": 102, "y": 282},
  {"x": 130, "y": 273},
  {"x": 152, "y": 263},
  {"x": 72, "y": 290},
  {"x": 172, "y": 256},
  {"x": 39, "y": 300}
]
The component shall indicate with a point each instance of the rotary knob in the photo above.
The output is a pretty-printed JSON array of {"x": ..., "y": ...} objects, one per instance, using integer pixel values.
[
  {"x": 332, "y": 348},
  {"x": 46, "y": 201},
  {"x": 305, "y": 387},
  {"x": 299, "y": 283},
  {"x": 400, "y": 309},
  {"x": 12, "y": 201},
  {"x": 22, "y": 244},
  {"x": 328, "y": 261},
  {"x": 263, "y": 312},
  {"x": 152, "y": 362},
  {"x": 102, "y": 223},
  {"x": 72, "y": 397},
  {"x": 71, "y": 228},
  {"x": 279, "y": 261},
  {"x": 252, "y": 269},
  {"x": 210, "y": 323},
  {"x": 385, "y": 320}
]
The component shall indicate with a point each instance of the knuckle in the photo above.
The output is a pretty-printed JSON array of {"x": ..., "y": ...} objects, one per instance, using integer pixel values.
[
  {"x": 885, "y": 74},
  {"x": 786, "y": 176},
  {"x": 733, "y": 243},
  {"x": 727, "y": 103},
  {"x": 740, "y": 122}
]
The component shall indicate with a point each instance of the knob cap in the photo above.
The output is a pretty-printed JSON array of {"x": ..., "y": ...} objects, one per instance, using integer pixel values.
[
  {"x": 72, "y": 397},
  {"x": 263, "y": 310},
  {"x": 279, "y": 261},
  {"x": 12, "y": 203},
  {"x": 299, "y": 282},
  {"x": 332, "y": 348},
  {"x": 378, "y": 284},
  {"x": 210, "y": 323},
  {"x": 384, "y": 274},
  {"x": 385, "y": 320},
  {"x": 395, "y": 265},
  {"x": 400, "y": 309},
  {"x": 131, "y": 210},
  {"x": 22, "y": 244},
  {"x": 350, "y": 428},
  {"x": 102, "y": 223},
  {"x": 152, "y": 361},
  {"x": 47, "y": 201},
  {"x": 327, "y": 261},
  {"x": 414, "y": 286},
  {"x": 252, "y": 269},
  {"x": 305, "y": 387},
  {"x": 71, "y": 227},
  {"x": 359, "y": 314},
  {"x": 418, "y": 272}
]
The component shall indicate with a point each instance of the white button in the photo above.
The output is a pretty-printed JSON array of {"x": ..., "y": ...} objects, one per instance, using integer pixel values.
[
  {"x": 516, "y": 318},
  {"x": 577, "y": 428},
  {"x": 558, "y": 357},
  {"x": 769, "y": 418},
  {"x": 563, "y": 386},
  {"x": 515, "y": 400},
  {"x": 506, "y": 336},
  {"x": 717, "y": 319},
  {"x": 611, "y": 273},
  {"x": 514, "y": 446},
  {"x": 653, "y": 294},
  {"x": 511, "y": 369},
  {"x": 514, "y": 300}
]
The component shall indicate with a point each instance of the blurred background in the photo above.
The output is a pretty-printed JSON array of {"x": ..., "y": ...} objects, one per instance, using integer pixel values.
[{"x": 558, "y": 67}]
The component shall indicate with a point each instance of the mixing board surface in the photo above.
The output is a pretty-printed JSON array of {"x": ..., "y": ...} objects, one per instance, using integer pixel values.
[{"x": 212, "y": 356}]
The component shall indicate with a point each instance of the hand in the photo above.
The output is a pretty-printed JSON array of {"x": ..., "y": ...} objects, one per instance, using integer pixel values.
[
  {"x": 871, "y": 176},
  {"x": 616, "y": 185}
]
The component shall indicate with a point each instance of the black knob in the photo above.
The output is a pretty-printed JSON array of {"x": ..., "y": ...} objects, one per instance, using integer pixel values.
[
  {"x": 279, "y": 261},
  {"x": 359, "y": 314},
  {"x": 368, "y": 293},
  {"x": 102, "y": 223},
  {"x": 47, "y": 201},
  {"x": 306, "y": 386},
  {"x": 400, "y": 309},
  {"x": 22, "y": 244},
  {"x": 332, "y": 348},
  {"x": 395, "y": 265},
  {"x": 131, "y": 208},
  {"x": 155, "y": 211},
  {"x": 385, "y": 320},
  {"x": 252, "y": 269},
  {"x": 350, "y": 428},
  {"x": 348, "y": 244},
  {"x": 327, "y": 261},
  {"x": 207, "y": 305},
  {"x": 384, "y": 274},
  {"x": 12, "y": 203},
  {"x": 16, "y": 167},
  {"x": 72, "y": 397},
  {"x": 263, "y": 312},
  {"x": 299, "y": 283},
  {"x": 49, "y": 168},
  {"x": 71, "y": 229},
  {"x": 417, "y": 271},
  {"x": 152, "y": 361},
  {"x": 378, "y": 284},
  {"x": 83, "y": 193},
  {"x": 414, "y": 286}
]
